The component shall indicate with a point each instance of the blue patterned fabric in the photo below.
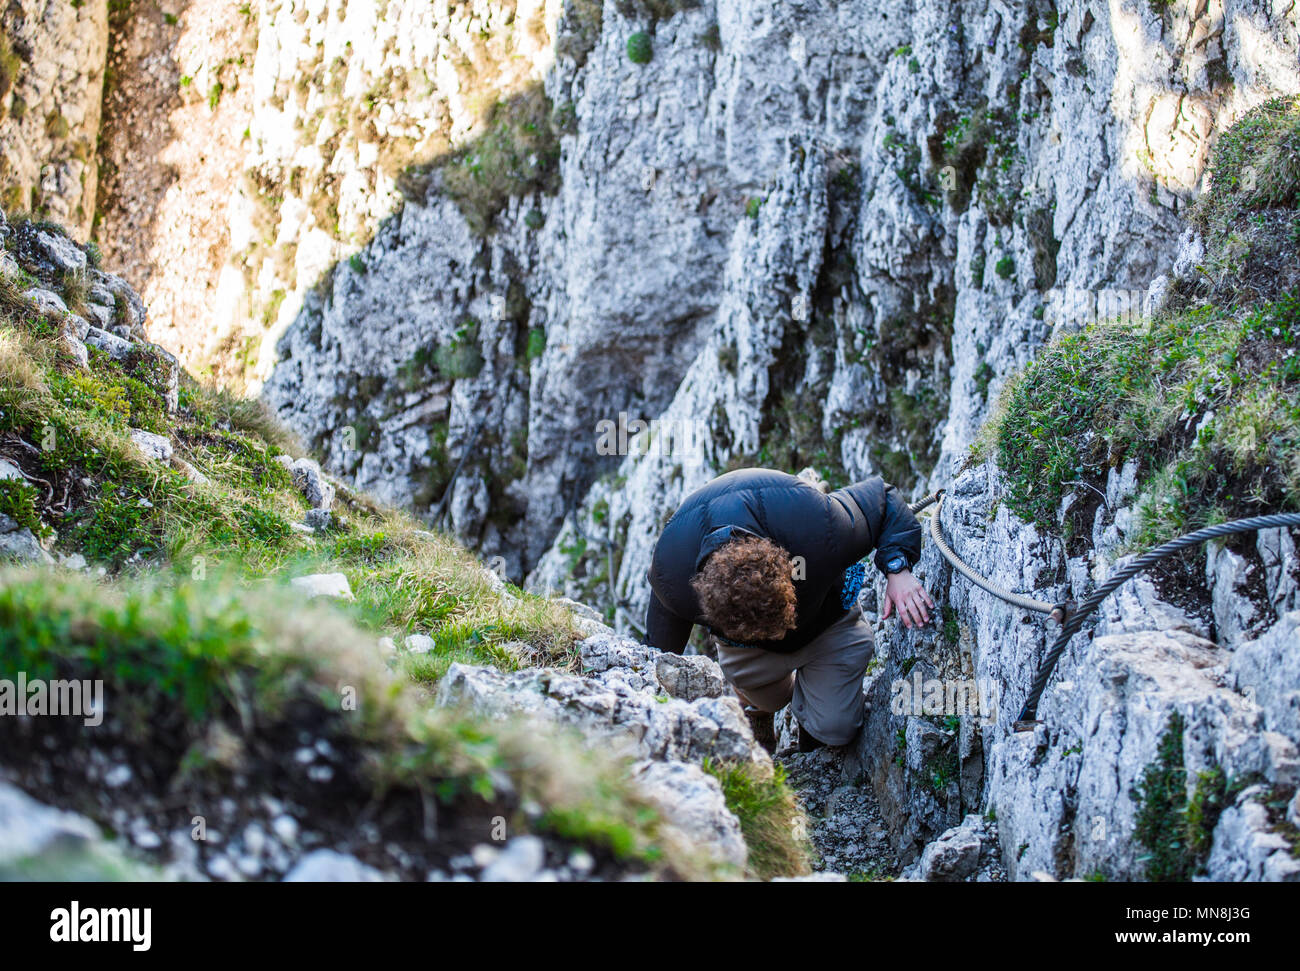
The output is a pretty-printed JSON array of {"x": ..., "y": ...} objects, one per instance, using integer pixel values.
[{"x": 854, "y": 577}]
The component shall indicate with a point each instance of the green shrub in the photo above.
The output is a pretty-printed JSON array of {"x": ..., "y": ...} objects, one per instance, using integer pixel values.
[
  {"x": 1005, "y": 267},
  {"x": 18, "y": 501},
  {"x": 1206, "y": 394},
  {"x": 118, "y": 525},
  {"x": 56, "y": 126},
  {"x": 639, "y": 48},
  {"x": 1248, "y": 215},
  {"x": 462, "y": 357},
  {"x": 1091, "y": 401},
  {"x": 518, "y": 153},
  {"x": 1177, "y": 831}
]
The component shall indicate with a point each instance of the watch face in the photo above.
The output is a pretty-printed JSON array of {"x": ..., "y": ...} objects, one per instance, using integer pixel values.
[{"x": 896, "y": 564}]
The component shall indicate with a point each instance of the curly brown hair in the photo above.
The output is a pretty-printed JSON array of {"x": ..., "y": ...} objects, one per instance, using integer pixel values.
[{"x": 746, "y": 590}]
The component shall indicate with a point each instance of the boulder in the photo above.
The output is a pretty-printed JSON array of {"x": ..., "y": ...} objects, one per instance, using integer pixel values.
[
  {"x": 46, "y": 301},
  {"x": 315, "y": 487},
  {"x": 957, "y": 854},
  {"x": 23, "y": 546},
  {"x": 155, "y": 446},
  {"x": 690, "y": 676},
  {"x": 323, "y": 585},
  {"x": 45, "y": 250},
  {"x": 112, "y": 345},
  {"x": 693, "y": 805},
  {"x": 617, "y": 705}
]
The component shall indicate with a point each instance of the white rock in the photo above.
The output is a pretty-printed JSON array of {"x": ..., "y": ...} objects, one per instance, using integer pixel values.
[
  {"x": 23, "y": 546},
  {"x": 419, "y": 643},
  {"x": 692, "y": 803},
  {"x": 285, "y": 828},
  {"x": 323, "y": 585},
  {"x": 46, "y": 300},
  {"x": 329, "y": 866},
  {"x": 190, "y": 472},
  {"x": 520, "y": 861},
  {"x": 154, "y": 446},
  {"x": 28, "y": 828},
  {"x": 112, "y": 345},
  {"x": 315, "y": 487}
]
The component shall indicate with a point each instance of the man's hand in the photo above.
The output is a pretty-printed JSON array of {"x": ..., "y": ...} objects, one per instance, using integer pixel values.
[{"x": 905, "y": 595}]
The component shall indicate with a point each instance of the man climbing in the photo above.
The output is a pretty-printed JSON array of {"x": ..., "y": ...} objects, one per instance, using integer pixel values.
[{"x": 768, "y": 563}]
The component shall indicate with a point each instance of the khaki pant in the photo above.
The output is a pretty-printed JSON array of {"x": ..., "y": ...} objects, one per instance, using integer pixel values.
[{"x": 821, "y": 681}]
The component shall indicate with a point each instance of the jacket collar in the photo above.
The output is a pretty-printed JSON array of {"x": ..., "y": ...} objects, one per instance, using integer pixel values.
[{"x": 716, "y": 538}]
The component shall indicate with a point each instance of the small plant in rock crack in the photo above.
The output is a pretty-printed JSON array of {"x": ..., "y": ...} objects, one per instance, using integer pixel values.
[{"x": 943, "y": 771}]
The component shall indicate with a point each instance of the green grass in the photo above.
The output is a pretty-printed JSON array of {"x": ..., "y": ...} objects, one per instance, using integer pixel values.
[
  {"x": 536, "y": 343},
  {"x": 10, "y": 65},
  {"x": 126, "y": 512},
  {"x": 1217, "y": 435},
  {"x": 768, "y": 813},
  {"x": 195, "y": 625},
  {"x": 18, "y": 501},
  {"x": 178, "y": 658},
  {"x": 1205, "y": 395}
]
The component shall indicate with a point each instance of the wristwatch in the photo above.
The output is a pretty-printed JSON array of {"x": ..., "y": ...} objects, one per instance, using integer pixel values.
[{"x": 896, "y": 564}]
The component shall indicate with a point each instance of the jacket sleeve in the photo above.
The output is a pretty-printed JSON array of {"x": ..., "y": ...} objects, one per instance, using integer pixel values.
[
  {"x": 881, "y": 520},
  {"x": 664, "y": 629}
]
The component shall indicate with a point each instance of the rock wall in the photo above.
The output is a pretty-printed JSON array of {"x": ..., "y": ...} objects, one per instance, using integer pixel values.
[
  {"x": 1067, "y": 795},
  {"x": 52, "y": 56},
  {"x": 800, "y": 233},
  {"x": 813, "y": 233},
  {"x": 247, "y": 148}
]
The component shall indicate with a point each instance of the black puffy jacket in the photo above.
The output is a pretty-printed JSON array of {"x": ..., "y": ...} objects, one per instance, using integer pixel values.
[{"x": 830, "y": 533}]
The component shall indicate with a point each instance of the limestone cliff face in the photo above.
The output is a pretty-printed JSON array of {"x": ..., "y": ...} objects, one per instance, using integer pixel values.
[
  {"x": 51, "y": 82},
  {"x": 1066, "y": 794},
  {"x": 251, "y": 147},
  {"x": 821, "y": 233},
  {"x": 811, "y": 232}
]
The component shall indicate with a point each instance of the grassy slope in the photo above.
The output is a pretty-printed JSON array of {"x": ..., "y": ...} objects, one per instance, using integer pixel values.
[
  {"x": 1206, "y": 393},
  {"x": 91, "y": 487},
  {"x": 194, "y": 631}
]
